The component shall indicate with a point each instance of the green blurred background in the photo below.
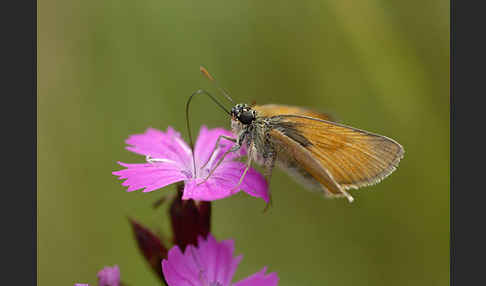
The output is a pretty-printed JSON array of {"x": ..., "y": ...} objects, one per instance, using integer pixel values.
[{"x": 108, "y": 69}]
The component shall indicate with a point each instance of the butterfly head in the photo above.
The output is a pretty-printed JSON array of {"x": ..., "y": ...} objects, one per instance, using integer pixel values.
[{"x": 243, "y": 113}]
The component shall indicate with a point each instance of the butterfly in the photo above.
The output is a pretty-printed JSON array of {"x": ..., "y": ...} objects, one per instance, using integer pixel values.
[{"x": 309, "y": 146}]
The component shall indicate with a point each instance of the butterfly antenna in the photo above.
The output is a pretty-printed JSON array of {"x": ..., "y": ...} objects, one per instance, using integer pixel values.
[
  {"x": 188, "y": 125},
  {"x": 205, "y": 72}
]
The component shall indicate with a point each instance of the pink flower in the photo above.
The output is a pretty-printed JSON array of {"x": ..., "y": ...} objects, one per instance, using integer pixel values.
[
  {"x": 169, "y": 160},
  {"x": 108, "y": 276},
  {"x": 210, "y": 264}
]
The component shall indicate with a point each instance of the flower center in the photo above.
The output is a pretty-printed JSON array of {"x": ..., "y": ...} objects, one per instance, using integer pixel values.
[{"x": 188, "y": 174}]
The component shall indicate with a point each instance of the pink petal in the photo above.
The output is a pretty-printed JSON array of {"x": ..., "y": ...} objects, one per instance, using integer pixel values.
[
  {"x": 81, "y": 284},
  {"x": 211, "y": 262},
  {"x": 206, "y": 191},
  {"x": 259, "y": 279},
  {"x": 158, "y": 144},
  {"x": 253, "y": 184},
  {"x": 218, "y": 259},
  {"x": 181, "y": 269},
  {"x": 150, "y": 176},
  {"x": 109, "y": 276},
  {"x": 206, "y": 140},
  {"x": 223, "y": 182}
]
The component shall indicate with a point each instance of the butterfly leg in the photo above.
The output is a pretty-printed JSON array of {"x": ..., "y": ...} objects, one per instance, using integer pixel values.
[
  {"x": 248, "y": 165},
  {"x": 269, "y": 163},
  {"x": 233, "y": 149},
  {"x": 216, "y": 147}
]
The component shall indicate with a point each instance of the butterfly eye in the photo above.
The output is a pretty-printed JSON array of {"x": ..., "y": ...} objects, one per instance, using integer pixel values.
[{"x": 246, "y": 117}]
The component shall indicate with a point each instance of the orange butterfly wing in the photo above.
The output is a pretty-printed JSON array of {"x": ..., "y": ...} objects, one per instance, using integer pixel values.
[
  {"x": 307, "y": 161},
  {"x": 269, "y": 110},
  {"x": 354, "y": 158}
]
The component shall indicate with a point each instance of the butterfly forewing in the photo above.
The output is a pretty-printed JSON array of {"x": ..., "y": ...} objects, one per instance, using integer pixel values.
[
  {"x": 269, "y": 110},
  {"x": 353, "y": 157}
]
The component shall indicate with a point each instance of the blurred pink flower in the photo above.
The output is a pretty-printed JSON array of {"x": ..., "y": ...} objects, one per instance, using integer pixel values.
[
  {"x": 169, "y": 160},
  {"x": 108, "y": 276},
  {"x": 210, "y": 264}
]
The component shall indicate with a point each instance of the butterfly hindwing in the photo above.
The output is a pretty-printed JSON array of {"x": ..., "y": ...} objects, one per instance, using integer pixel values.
[{"x": 300, "y": 163}]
